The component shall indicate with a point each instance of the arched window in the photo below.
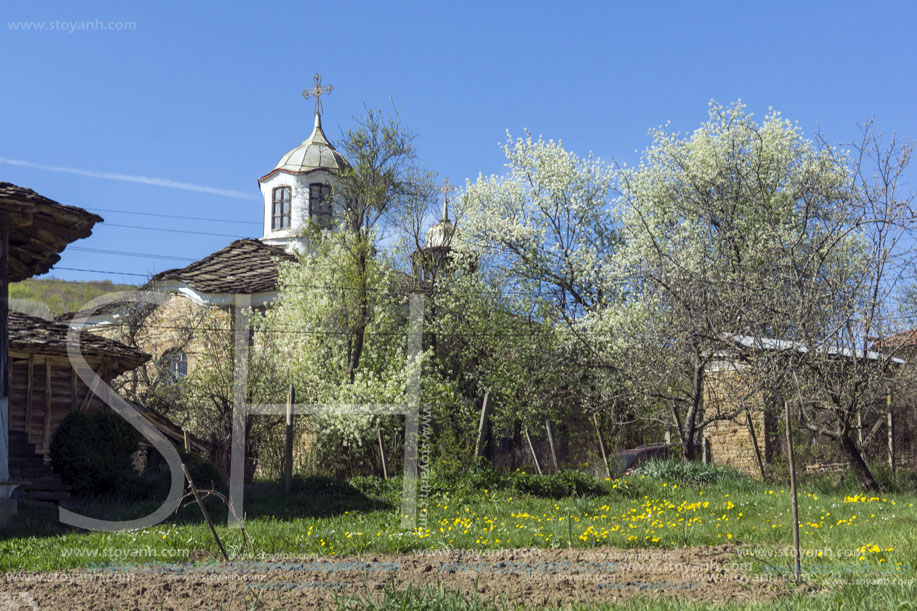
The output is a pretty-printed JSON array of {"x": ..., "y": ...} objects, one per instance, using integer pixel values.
[
  {"x": 174, "y": 364},
  {"x": 320, "y": 205},
  {"x": 282, "y": 208}
]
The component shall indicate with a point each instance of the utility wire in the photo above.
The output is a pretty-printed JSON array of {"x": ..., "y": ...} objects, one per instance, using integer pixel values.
[
  {"x": 175, "y": 216},
  {"x": 124, "y": 253},
  {"x": 99, "y": 271},
  {"x": 219, "y": 235}
]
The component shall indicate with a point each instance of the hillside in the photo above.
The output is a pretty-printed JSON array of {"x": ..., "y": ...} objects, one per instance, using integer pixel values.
[{"x": 58, "y": 296}]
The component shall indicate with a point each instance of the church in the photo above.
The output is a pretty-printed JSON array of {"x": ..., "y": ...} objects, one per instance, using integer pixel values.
[{"x": 299, "y": 193}]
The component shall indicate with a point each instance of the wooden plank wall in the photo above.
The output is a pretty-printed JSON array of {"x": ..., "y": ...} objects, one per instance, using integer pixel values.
[{"x": 55, "y": 391}]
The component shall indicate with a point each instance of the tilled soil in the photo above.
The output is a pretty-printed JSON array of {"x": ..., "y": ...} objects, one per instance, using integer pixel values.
[{"x": 527, "y": 578}]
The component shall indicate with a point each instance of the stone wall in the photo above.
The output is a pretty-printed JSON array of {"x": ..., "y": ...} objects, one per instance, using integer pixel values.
[
  {"x": 730, "y": 440},
  {"x": 731, "y": 443}
]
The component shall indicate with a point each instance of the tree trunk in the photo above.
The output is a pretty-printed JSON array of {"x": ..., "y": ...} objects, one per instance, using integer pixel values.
[
  {"x": 357, "y": 351},
  {"x": 689, "y": 433},
  {"x": 857, "y": 464}
]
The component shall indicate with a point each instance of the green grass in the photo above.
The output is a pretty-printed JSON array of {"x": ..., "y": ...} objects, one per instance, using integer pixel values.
[
  {"x": 63, "y": 296},
  {"x": 332, "y": 518}
]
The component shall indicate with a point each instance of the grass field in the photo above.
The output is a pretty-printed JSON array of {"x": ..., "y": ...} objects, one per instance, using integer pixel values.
[{"x": 846, "y": 536}]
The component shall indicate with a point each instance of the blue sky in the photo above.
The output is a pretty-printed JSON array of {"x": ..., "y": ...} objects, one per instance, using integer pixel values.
[{"x": 209, "y": 93}]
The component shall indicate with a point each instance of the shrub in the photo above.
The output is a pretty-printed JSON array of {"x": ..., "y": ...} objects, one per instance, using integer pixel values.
[
  {"x": 693, "y": 472},
  {"x": 92, "y": 452},
  {"x": 461, "y": 479}
]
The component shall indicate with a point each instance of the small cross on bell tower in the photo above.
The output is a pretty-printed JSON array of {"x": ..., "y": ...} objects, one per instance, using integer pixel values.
[
  {"x": 317, "y": 91},
  {"x": 446, "y": 189}
]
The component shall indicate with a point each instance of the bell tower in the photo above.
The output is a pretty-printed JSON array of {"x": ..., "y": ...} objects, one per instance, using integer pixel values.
[{"x": 300, "y": 189}]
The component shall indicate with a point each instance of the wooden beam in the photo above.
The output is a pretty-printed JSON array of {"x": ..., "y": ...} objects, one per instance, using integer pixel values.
[
  {"x": 4, "y": 349},
  {"x": 29, "y": 387},
  {"x": 46, "y": 435}
]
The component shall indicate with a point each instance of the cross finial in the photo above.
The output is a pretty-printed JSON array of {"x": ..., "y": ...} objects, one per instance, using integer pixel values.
[
  {"x": 447, "y": 188},
  {"x": 317, "y": 92}
]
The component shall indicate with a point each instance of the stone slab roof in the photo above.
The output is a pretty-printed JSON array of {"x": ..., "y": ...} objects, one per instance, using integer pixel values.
[
  {"x": 32, "y": 335},
  {"x": 244, "y": 267},
  {"x": 40, "y": 229}
]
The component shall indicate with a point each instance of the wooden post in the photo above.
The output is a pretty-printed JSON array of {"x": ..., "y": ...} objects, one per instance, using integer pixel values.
[
  {"x": 4, "y": 350},
  {"x": 532, "y": 449},
  {"x": 550, "y": 429},
  {"x": 187, "y": 440},
  {"x": 891, "y": 437},
  {"x": 793, "y": 492},
  {"x": 46, "y": 433},
  {"x": 382, "y": 453},
  {"x": 598, "y": 433},
  {"x": 288, "y": 441},
  {"x": 482, "y": 425},
  {"x": 29, "y": 388}
]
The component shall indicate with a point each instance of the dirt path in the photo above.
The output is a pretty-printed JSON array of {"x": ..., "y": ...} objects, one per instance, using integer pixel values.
[{"x": 526, "y": 577}]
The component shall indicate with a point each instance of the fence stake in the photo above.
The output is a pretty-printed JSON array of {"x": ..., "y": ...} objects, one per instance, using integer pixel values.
[
  {"x": 891, "y": 436},
  {"x": 534, "y": 456},
  {"x": 482, "y": 425},
  {"x": 550, "y": 429},
  {"x": 382, "y": 453},
  {"x": 200, "y": 504},
  {"x": 288, "y": 442},
  {"x": 795, "y": 500},
  {"x": 598, "y": 433}
]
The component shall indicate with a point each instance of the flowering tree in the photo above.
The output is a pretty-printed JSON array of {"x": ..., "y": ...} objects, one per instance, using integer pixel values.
[
  {"x": 545, "y": 237},
  {"x": 713, "y": 221}
]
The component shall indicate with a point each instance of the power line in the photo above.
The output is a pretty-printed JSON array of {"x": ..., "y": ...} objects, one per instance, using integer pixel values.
[
  {"x": 99, "y": 271},
  {"x": 219, "y": 235},
  {"x": 175, "y": 216},
  {"x": 123, "y": 253}
]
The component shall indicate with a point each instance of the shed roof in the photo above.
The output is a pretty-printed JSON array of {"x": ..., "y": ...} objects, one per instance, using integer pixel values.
[
  {"x": 32, "y": 335},
  {"x": 40, "y": 229},
  {"x": 781, "y": 345}
]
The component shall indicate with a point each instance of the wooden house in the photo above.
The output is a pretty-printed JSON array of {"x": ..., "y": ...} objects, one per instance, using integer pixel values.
[
  {"x": 44, "y": 387},
  {"x": 33, "y": 231}
]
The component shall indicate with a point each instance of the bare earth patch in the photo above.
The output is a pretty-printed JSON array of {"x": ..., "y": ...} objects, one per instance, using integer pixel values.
[{"x": 525, "y": 577}]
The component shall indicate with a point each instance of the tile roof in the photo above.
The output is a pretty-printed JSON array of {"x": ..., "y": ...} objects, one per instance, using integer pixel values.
[
  {"x": 905, "y": 338},
  {"x": 40, "y": 229},
  {"x": 32, "y": 335},
  {"x": 244, "y": 267}
]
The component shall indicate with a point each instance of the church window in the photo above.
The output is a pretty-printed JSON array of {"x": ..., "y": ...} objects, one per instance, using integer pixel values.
[
  {"x": 320, "y": 205},
  {"x": 282, "y": 208}
]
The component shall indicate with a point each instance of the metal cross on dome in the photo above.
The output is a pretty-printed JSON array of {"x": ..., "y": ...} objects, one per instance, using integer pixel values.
[
  {"x": 447, "y": 188},
  {"x": 317, "y": 92}
]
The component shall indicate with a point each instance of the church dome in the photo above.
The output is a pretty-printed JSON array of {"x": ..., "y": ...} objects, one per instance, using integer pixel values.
[{"x": 315, "y": 153}]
